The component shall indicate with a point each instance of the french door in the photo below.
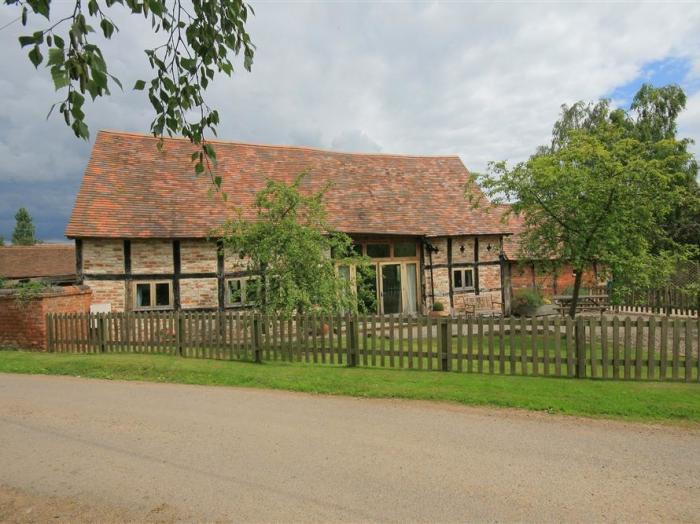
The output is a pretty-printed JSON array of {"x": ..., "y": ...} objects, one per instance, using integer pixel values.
[{"x": 398, "y": 283}]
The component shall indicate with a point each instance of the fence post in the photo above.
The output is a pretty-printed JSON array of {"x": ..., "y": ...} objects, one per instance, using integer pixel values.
[
  {"x": 179, "y": 332},
  {"x": 257, "y": 349},
  {"x": 351, "y": 328},
  {"x": 101, "y": 332},
  {"x": 580, "y": 337},
  {"x": 667, "y": 297},
  {"x": 444, "y": 344},
  {"x": 49, "y": 333}
]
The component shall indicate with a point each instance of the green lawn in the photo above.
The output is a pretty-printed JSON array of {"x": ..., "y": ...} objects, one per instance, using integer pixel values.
[{"x": 643, "y": 401}]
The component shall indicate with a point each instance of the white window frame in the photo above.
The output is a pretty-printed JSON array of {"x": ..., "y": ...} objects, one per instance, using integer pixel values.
[
  {"x": 152, "y": 284},
  {"x": 463, "y": 271}
]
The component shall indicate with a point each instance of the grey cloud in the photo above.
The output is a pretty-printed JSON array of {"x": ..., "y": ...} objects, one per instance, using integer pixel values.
[
  {"x": 355, "y": 140},
  {"x": 484, "y": 81}
]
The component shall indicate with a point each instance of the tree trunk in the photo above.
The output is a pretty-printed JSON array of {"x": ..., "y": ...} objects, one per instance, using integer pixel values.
[{"x": 577, "y": 290}]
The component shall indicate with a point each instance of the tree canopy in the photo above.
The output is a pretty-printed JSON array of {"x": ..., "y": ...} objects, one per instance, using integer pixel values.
[
  {"x": 294, "y": 253},
  {"x": 199, "y": 40},
  {"x": 603, "y": 191},
  {"x": 24, "y": 232}
]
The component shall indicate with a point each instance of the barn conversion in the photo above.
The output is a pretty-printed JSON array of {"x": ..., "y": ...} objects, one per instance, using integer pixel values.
[{"x": 144, "y": 225}]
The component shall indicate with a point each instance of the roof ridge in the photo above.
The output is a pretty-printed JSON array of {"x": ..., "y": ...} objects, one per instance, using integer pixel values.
[{"x": 277, "y": 146}]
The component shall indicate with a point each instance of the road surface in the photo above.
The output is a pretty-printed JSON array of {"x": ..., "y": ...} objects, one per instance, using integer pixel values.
[{"x": 76, "y": 449}]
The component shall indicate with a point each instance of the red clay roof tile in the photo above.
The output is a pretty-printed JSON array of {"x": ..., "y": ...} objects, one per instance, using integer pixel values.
[
  {"x": 131, "y": 189},
  {"x": 41, "y": 260}
]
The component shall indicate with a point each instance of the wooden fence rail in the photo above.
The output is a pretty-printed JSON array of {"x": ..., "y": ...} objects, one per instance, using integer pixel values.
[{"x": 657, "y": 348}]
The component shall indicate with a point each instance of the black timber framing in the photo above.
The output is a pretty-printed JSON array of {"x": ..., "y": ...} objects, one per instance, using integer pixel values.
[
  {"x": 476, "y": 265},
  {"x": 220, "y": 274},
  {"x": 464, "y": 264},
  {"x": 79, "y": 259},
  {"x": 449, "y": 271},
  {"x": 163, "y": 276},
  {"x": 128, "y": 302},
  {"x": 177, "y": 268}
]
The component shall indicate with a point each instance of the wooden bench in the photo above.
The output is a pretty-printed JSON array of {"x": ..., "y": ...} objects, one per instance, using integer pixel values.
[
  {"x": 598, "y": 303},
  {"x": 478, "y": 305}
]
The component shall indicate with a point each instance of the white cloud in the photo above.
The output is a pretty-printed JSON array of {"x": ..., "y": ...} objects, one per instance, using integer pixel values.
[{"x": 484, "y": 81}]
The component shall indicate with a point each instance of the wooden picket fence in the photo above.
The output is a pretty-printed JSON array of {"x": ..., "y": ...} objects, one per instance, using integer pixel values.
[{"x": 657, "y": 348}]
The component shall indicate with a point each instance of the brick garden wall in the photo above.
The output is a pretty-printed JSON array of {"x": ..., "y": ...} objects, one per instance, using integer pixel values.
[
  {"x": 23, "y": 324},
  {"x": 547, "y": 283}
]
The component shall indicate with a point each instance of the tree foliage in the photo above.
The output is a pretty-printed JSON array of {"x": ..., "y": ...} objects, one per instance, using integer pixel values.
[
  {"x": 652, "y": 118},
  {"x": 289, "y": 245},
  {"x": 200, "y": 38},
  {"x": 24, "y": 233},
  {"x": 602, "y": 192}
]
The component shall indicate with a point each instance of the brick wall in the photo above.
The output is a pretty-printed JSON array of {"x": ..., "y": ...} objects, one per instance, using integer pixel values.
[
  {"x": 547, "y": 282},
  {"x": 198, "y": 256},
  {"x": 151, "y": 256},
  {"x": 489, "y": 274},
  {"x": 23, "y": 325},
  {"x": 199, "y": 293},
  {"x": 108, "y": 292},
  {"x": 103, "y": 256}
]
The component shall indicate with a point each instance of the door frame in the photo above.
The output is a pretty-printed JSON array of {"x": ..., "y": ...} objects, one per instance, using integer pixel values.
[
  {"x": 403, "y": 276},
  {"x": 380, "y": 286}
]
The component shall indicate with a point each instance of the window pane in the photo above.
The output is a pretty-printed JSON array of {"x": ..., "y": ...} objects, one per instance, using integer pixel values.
[
  {"x": 344, "y": 272},
  {"x": 469, "y": 278},
  {"x": 252, "y": 290},
  {"x": 411, "y": 297},
  {"x": 357, "y": 249},
  {"x": 405, "y": 249},
  {"x": 163, "y": 294},
  {"x": 378, "y": 250},
  {"x": 234, "y": 292},
  {"x": 143, "y": 295},
  {"x": 457, "y": 279}
]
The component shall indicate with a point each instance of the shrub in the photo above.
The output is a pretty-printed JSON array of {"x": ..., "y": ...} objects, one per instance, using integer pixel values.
[
  {"x": 438, "y": 306},
  {"x": 526, "y": 299}
]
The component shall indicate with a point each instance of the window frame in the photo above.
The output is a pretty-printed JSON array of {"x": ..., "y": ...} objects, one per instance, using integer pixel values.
[
  {"x": 244, "y": 284},
  {"x": 463, "y": 271},
  {"x": 152, "y": 284}
]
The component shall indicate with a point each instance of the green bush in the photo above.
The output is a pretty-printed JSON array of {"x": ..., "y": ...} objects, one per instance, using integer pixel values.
[
  {"x": 438, "y": 306},
  {"x": 526, "y": 298}
]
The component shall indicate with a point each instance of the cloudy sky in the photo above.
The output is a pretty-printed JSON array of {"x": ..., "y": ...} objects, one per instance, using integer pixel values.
[{"x": 481, "y": 80}]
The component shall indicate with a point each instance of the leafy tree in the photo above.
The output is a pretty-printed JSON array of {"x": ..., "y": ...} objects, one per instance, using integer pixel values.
[
  {"x": 652, "y": 118},
  {"x": 23, "y": 235},
  {"x": 294, "y": 251},
  {"x": 200, "y": 37},
  {"x": 601, "y": 192}
]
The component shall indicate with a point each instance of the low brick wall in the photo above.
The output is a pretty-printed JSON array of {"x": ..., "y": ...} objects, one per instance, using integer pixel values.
[{"x": 23, "y": 324}]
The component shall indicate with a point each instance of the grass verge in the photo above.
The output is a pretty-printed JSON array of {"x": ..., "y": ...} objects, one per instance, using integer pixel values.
[{"x": 640, "y": 401}]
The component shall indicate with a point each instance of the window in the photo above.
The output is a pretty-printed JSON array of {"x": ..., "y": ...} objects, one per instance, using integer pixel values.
[
  {"x": 153, "y": 295},
  {"x": 344, "y": 272},
  {"x": 242, "y": 291},
  {"x": 463, "y": 278},
  {"x": 405, "y": 249},
  {"x": 378, "y": 250}
]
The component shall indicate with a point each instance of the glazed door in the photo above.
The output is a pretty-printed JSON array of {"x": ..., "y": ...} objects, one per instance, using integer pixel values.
[{"x": 390, "y": 292}]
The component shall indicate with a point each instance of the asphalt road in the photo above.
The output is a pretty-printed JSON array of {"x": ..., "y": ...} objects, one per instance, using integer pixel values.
[{"x": 75, "y": 449}]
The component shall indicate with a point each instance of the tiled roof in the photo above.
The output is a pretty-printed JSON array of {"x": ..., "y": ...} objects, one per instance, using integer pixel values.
[
  {"x": 131, "y": 189},
  {"x": 41, "y": 260}
]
